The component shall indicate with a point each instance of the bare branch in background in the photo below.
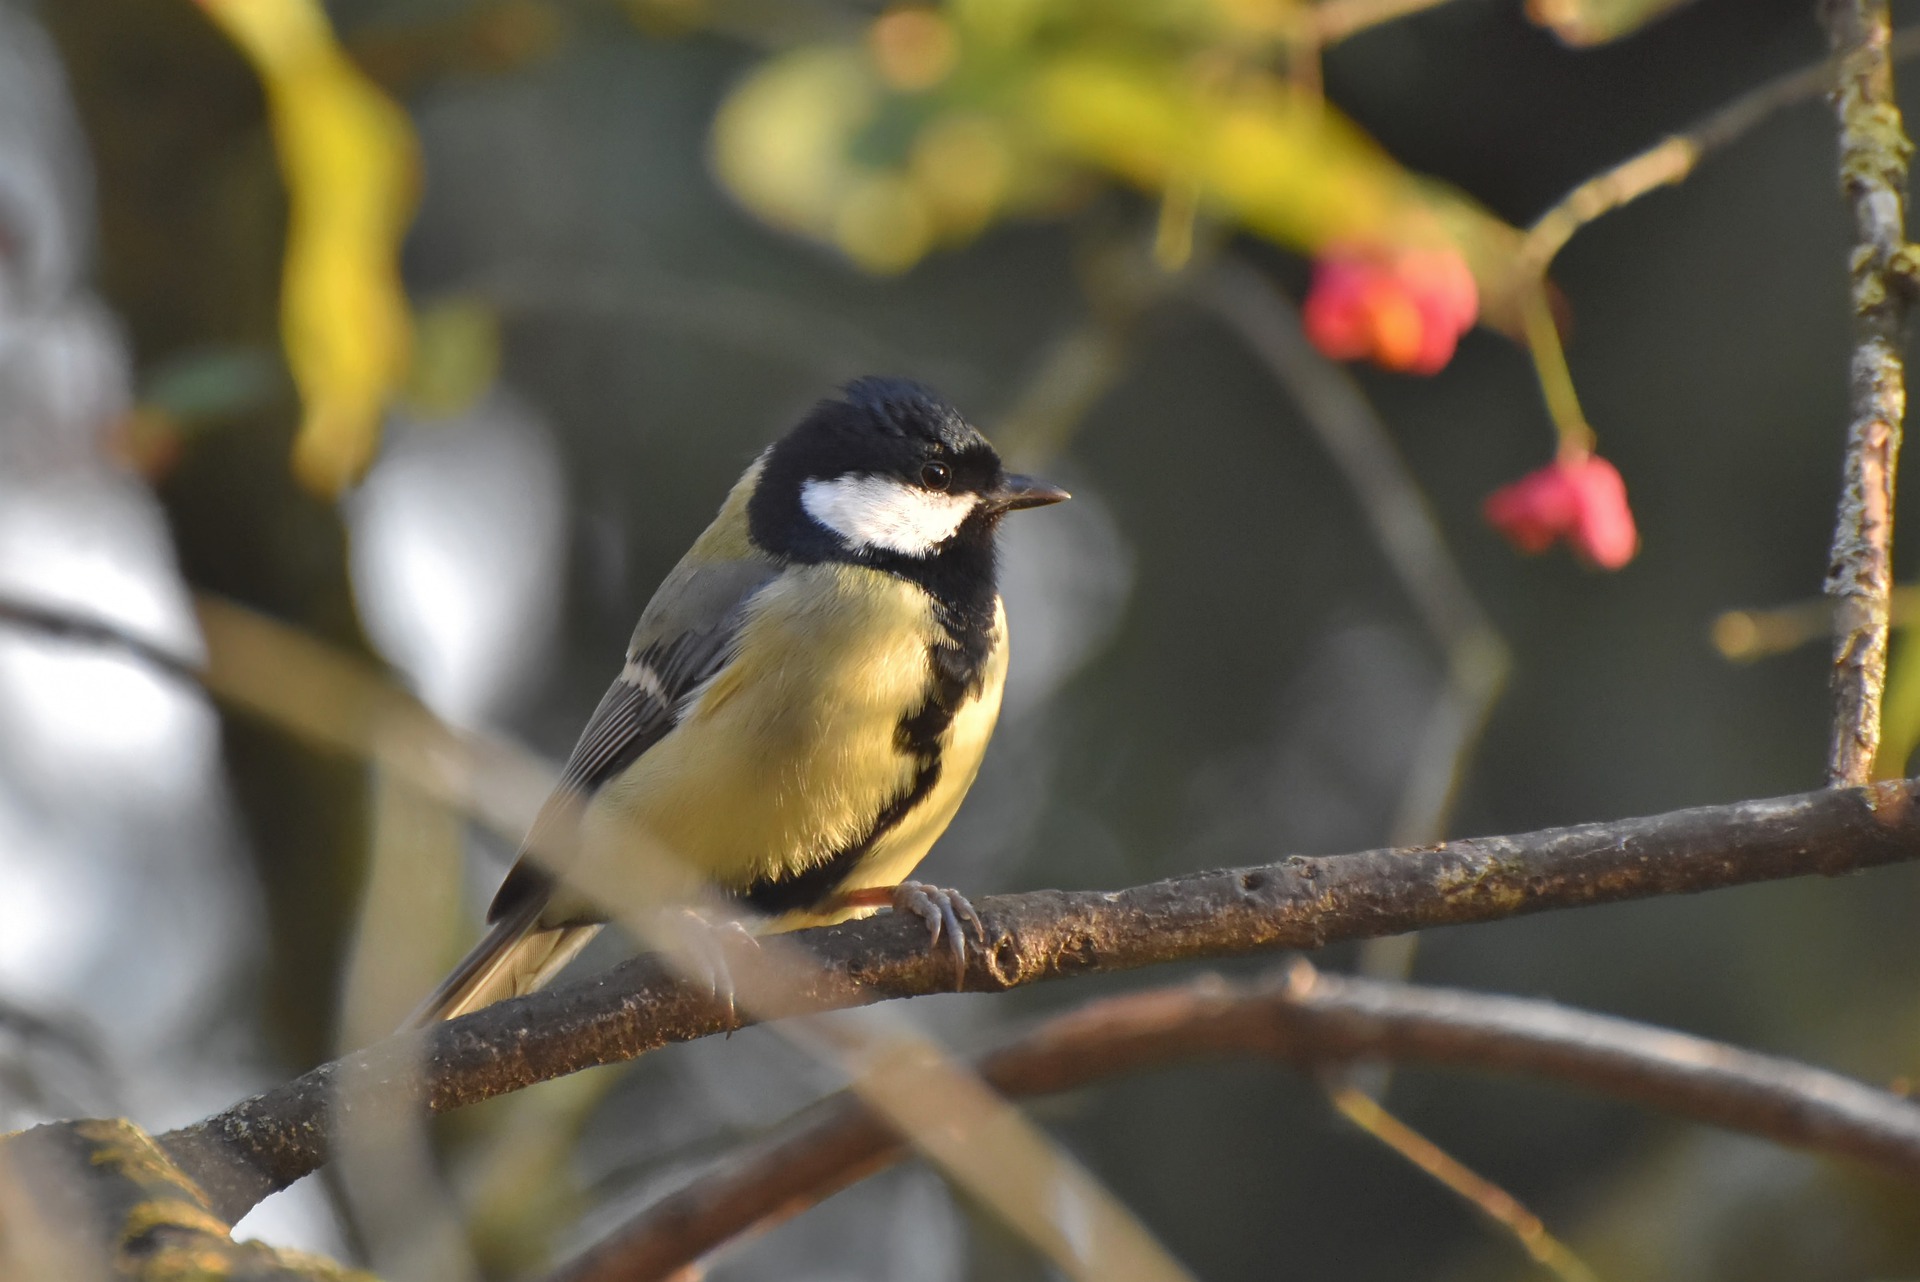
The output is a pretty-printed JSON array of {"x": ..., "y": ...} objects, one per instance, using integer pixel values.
[
  {"x": 1673, "y": 158},
  {"x": 1874, "y": 151},
  {"x": 402, "y": 1213},
  {"x": 1395, "y": 507},
  {"x": 1403, "y": 524},
  {"x": 1502, "y": 1208},
  {"x": 1306, "y": 1019},
  {"x": 306, "y": 686},
  {"x": 62, "y": 624},
  {"x": 267, "y": 1142},
  {"x": 1122, "y": 285},
  {"x": 1747, "y": 635},
  {"x": 1476, "y": 661}
]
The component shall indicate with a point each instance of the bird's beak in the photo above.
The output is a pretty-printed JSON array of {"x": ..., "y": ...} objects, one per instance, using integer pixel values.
[{"x": 1016, "y": 492}]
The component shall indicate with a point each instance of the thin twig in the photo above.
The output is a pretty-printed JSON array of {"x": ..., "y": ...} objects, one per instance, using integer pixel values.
[
  {"x": 402, "y": 1213},
  {"x": 1673, "y": 158},
  {"x": 1874, "y": 151},
  {"x": 1335, "y": 410},
  {"x": 1003, "y": 1162},
  {"x": 63, "y": 624},
  {"x": 267, "y": 1142},
  {"x": 1409, "y": 536},
  {"x": 335, "y": 699},
  {"x": 1475, "y": 656},
  {"x": 1503, "y": 1208},
  {"x": 1309, "y": 1020},
  {"x": 1746, "y": 635},
  {"x": 1081, "y": 365}
]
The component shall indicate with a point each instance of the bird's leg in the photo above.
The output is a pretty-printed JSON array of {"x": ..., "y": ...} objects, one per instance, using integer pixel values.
[
  {"x": 941, "y": 909},
  {"x": 700, "y": 951}
]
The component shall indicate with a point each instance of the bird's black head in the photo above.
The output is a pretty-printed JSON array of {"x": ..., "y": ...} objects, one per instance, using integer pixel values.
[{"x": 890, "y": 476}]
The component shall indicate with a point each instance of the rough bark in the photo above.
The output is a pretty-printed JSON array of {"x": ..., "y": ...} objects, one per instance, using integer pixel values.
[
  {"x": 1874, "y": 151},
  {"x": 267, "y": 1142},
  {"x": 1307, "y": 1019}
]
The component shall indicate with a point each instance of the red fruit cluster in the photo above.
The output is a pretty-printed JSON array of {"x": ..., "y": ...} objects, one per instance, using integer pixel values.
[
  {"x": 1580, "y": 499},
  {"x": 1403, "y": 309}
]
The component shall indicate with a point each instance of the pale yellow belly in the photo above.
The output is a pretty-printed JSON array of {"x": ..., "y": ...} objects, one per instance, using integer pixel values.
[
  {"x": 899, "y": 852},
  {"x": 790, "y": 754}
]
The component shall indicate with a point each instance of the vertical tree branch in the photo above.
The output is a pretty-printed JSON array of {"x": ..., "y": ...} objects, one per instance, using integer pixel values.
[{"x": 1874, "y": 151}]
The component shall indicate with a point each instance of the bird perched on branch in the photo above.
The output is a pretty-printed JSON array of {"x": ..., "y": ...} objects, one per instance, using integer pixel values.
[{"x": 804, "y": 704}]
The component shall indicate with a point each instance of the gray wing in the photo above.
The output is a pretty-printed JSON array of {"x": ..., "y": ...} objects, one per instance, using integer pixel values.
[{"x": 685, "y": 636}]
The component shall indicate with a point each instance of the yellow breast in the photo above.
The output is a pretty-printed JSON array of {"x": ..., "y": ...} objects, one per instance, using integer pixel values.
[{"x": 793, "y": 750}]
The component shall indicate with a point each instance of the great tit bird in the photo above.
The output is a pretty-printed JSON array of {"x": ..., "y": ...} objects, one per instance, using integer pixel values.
[{"x": 804, "y": 704}]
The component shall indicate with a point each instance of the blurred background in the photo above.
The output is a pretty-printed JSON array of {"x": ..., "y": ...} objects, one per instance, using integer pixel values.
[{"x": 435, "y": 338}]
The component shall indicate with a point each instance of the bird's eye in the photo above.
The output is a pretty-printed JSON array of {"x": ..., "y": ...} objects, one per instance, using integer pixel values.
[{"x": 936, "y": 476}]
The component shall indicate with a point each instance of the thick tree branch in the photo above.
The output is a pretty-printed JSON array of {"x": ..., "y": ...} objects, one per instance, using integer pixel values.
[
  {"x": 1306, "y": 1019},
  {"x": 1874, "y": 151},
  {"x": 267, "y": 1142}
]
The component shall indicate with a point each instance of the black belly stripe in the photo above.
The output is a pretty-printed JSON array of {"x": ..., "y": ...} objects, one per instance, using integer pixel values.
[
  {"x": 959, "y": 674},
  {"x": 813, "y": 887}
]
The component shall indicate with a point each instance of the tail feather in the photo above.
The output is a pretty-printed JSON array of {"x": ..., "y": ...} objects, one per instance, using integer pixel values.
[{"x": 516, "y": 956}]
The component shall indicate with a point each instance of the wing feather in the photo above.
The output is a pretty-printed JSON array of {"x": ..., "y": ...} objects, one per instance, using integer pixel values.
[{"x": 685, "y": 637}]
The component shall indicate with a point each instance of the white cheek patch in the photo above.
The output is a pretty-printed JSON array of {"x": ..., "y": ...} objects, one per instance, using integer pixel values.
[{"x": 880, "y": 512}]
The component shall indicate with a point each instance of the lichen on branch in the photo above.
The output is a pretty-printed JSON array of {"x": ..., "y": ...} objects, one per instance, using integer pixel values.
[{"x": 1874, "y": 156}]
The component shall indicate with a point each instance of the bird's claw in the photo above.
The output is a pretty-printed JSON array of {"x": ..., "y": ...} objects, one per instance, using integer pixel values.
[
  {"x": 702, "y": 954},
  {"x": 943, "y": 910}
]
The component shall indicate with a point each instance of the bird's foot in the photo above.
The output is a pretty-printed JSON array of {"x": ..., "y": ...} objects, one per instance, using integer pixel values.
[
  {"x": 701, "y": 945},
  {"x": 942, "y": 910}
]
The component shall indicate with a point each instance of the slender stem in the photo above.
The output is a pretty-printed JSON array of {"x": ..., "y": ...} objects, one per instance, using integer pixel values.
[
  {"x": 267, "y": 1142},
  {"x": 1668, "y": 161},
  {"x": 1874, "y": 152},
  {"x": 1462, "y": 1181},
  {"x": 1307, "y": 1019},
  {"x": 1745, "y": 635},
  {"x": 1409, "y": 535},
  {"x": 1556, "y": 380},
  {"x": 1334, "y": 408},
  {"x": 62, "y": 624},
  {"x": 1673, "y": 158}
]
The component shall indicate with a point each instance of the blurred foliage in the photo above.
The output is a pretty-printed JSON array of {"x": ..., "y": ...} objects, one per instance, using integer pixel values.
[
  {"x": 937, "y": 122},
  {"x": 456, "y": 357},
  {"x": 348, "y": 158},
  {"x": 917, "y": 132},
  {"x": 983, "y": 145}
]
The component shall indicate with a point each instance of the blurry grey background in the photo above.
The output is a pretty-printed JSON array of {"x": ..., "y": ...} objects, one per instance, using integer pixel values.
[{"x": 1212, "y": 662}]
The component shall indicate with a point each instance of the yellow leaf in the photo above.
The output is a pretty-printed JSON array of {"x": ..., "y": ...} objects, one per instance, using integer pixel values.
[
  {"x": 780, "y": 141},
  {"x": 1279, "y": 163},
  {"x": 347, "y": 155},
  {"x": 944, "y": 121}
]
